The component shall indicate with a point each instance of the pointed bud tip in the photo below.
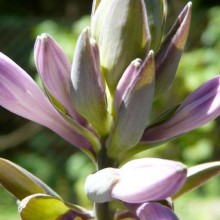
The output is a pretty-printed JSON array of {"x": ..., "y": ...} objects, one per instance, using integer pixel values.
[
  {"x": 189, "y": 4},
  {"x": 43, "y": 37},
  {"x": 186, "y": 10},
  {"x": 87, "y": 36},
  {"x": 151, "y": 54},
  {"x": 137, "y": 62},
  {"x": 86, "y": 31}
]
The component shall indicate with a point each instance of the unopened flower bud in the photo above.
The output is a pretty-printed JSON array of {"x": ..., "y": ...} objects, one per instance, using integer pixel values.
[{"x": 121, "y": 30}]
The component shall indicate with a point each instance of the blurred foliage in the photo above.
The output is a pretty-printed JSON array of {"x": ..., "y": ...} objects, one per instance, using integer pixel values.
[{"x": 63, "y": 167}]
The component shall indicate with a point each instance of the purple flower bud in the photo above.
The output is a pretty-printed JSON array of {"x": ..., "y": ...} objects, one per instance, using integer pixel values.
[
  {"x": 148, "y": 179},
  {"x": 54, "y": 68},
  {"x": 137, "y": 181},
  {"x": 134, "y": 96}
]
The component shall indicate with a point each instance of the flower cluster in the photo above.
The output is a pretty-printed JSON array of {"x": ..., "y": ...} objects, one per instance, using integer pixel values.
[{"x": 101, "y": 103}]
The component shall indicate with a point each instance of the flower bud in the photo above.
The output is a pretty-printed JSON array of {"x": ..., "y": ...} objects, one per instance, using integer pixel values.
[
  {"x": 149, "y": 179},
  {"x": 135, "y": 105},
  {"x": 168, "y": 57},
  {"x": 137, "y": 181},
  {"x": 120, "y": 39},
  {"x": 54, "y": 68},
  {"x": 88, "y": 92}
]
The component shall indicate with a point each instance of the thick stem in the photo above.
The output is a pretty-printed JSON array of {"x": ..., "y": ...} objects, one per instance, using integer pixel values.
[{"x": 103, "y": 211}]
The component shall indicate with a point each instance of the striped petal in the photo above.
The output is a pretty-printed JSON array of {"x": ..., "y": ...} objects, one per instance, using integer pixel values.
[
  {"x": 54, "y": 68},
  {"x": 148, "y": 179},
  {"x": 21, "y": 95},
  {"x": 197, "y": 109}
]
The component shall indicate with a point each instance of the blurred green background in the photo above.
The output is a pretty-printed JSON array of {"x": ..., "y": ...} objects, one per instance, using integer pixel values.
[{"x": 63, "y": 167}]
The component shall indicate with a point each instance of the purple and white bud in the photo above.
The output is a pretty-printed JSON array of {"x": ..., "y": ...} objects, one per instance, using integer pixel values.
[{"x": 137, "y": 181}]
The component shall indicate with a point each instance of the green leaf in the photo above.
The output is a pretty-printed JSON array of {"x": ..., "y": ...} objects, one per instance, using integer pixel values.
[
  {"x": 198, "y": 175},
  {"x": 44, "y": 207},
  {"x": 20, "y": 182}
]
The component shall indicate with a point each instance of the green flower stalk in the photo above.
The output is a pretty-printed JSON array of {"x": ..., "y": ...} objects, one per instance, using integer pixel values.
[{"x": 101, "y": 103}]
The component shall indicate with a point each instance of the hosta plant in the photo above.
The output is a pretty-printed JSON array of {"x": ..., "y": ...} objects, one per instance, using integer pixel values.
[{"x": 101, "y": 103}]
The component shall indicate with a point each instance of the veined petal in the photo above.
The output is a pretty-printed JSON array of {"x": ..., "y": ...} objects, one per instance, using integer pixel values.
[
  {"x": 88, "y": 89},
  {"x": 148, "y": 179},
  {"x": 197, "y": 109},
  {"x": 133, "y": 113},
  {"x": 21, "y": 95},
  {"x": 168, "y": 56},
  {"x": 114, "y": 27},
  {"x": 54, "y": 68},
  {"x": 152, "y": 211}
]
